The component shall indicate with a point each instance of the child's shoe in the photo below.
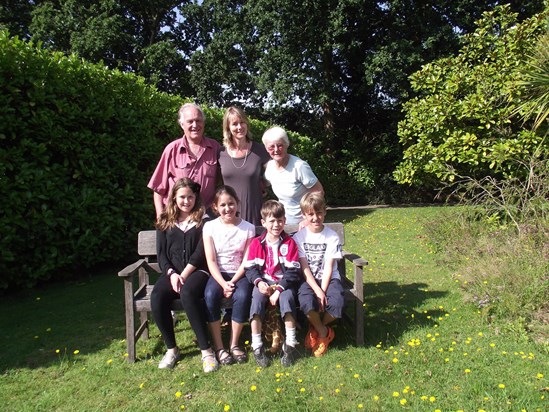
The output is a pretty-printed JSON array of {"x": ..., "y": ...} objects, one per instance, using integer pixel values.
[
  {"x": 209, "y": 363},
  {"x": 311, "y": 338},
  {"x": 322, "y": 343},
  {"x": 261, "y": 357},
  {"x": 289, "y": 355},
  {"x": 169, "y": 360}
]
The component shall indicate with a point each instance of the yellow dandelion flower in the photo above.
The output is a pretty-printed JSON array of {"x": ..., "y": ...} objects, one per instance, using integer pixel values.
[
  {"x": 76, "y": 352},
  {"x": 360, "y": 406},
  {"x": 395, "y": 360},
  {"x": 337, "y": 390},
  {"x": 126, "y": 355},
  {"x": 376, "y": 398},
  {"x": 432, "y": 399},
  {"x": 403, "y": 402},
  {"x": 57, "y": 351},
  {"x": 396, "y": 394},
  {"x": 320, "y": 398},
  {"x": 480, "y": 334},
  {"x": 424, "y": 398},
  {"x": 253, "y": 388},
  {"x": 501, "y": 386},
  {"x": 539, "y": 375},
  {"x": 246, "y": 342},
  {"x": 356, "y": 376},
  {"x": 226, "y": 408},
  {"x": 182, "y": 407},
  {"x": 257, "y": 370},
  {"x": 300, "y": 380},
  {"x": 338, "y": 366},
  {"x": 278, "y": 390},
  {"x": 467, "y": 371},
  {"x": 109, "y": 361},
  {"x": 302, "y": 390},
  {"x": 178, "y": 394},
  {"x": 141, "y": 385}
]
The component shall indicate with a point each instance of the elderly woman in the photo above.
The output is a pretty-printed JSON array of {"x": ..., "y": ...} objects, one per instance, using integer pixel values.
[
  {"x": 242, "y": 162},
  {"x": 289, "y": 176}
]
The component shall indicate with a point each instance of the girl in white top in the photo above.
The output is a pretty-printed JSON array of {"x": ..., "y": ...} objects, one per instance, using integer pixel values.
[{"x": 226, "y": 241}]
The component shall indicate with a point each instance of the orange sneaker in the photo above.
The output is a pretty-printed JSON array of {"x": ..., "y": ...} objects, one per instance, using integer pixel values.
[
  {"x": 311, "y": 338},
  {"x": 322, "y": 343}
]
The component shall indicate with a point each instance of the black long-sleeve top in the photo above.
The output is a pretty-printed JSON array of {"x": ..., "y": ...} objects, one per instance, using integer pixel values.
[{"x": 175, "y": 249}]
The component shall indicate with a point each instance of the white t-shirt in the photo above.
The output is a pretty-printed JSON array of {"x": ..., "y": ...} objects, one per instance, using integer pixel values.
[
  {"x": 317, "y": 248},
  {"x": 290, "y": 184},
  {"x": 229, "y": 242}
]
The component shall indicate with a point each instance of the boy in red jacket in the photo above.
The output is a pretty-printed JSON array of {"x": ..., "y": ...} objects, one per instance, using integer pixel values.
[{"x": 273, "y": 259}]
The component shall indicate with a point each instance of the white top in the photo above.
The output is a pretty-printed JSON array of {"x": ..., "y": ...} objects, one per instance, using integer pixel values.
[
  {"x": 229, "y": 242},
  {"x": 317, "y": 248},
  {"x": 290, "y": 184}
]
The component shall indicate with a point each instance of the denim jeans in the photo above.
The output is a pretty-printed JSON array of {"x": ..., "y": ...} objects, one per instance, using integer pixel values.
[{"x": 241, "y": 299}]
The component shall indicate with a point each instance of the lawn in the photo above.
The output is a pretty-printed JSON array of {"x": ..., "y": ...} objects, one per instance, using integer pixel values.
[{"x": 63, "y": 346}]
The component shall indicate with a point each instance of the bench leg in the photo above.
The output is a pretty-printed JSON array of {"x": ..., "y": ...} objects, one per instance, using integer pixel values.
[
  {"x": 359, "y": 323},
  {"x": 130, "y": 319},
  {"x": 143, "y": 317}
]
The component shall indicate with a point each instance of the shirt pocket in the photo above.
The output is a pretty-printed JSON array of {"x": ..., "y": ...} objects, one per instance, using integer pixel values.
[{"x": 210, "y": 168}]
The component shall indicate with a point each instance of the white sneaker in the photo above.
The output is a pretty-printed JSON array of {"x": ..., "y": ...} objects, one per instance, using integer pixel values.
[{"x": 169, "y": 360}]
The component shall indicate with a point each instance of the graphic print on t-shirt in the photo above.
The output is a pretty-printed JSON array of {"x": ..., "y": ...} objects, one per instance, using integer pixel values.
[{"x": 315, "y": 257}]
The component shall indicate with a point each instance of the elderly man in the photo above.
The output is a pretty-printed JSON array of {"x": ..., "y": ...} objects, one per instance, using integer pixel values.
[{"x": 193, "y": 156}]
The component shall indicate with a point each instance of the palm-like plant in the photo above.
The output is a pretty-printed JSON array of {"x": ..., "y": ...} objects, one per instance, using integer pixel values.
[{"x": 535, "y": 84}]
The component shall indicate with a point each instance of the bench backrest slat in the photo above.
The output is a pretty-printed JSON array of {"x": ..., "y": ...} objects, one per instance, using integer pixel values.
[{"x": 146, "y": 239}]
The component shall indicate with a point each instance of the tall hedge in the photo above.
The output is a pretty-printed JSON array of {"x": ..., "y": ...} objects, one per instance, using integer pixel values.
[{"x": 78, "y": 144}]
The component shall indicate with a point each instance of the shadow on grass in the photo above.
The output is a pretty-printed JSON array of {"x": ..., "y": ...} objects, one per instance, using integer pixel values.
[
  {"x": 390, "y": 311},
  {"x": 85, "y": 315}
]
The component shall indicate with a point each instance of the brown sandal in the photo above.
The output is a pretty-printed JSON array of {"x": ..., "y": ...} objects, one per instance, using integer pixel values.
[
  {"x": 224, "y": 357},
  {"x": 239, "y": 354}
]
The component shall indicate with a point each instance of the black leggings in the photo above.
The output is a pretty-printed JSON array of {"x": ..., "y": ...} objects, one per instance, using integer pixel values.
[{"x": 192, "y": 297}]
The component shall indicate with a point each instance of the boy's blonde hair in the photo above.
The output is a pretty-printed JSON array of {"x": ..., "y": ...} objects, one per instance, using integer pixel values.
[
  {"x": 312, "y": 201},
  {"x": 272, "y": 208}
]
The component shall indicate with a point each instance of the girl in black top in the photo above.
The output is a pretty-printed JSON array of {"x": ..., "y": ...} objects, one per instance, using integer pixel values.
[{"x": 181, "y": 257}]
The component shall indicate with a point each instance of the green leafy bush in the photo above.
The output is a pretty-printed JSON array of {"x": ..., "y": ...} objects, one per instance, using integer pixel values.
[
  {"x": 464, "y": 120},
  {"x": 78, "y": 144}
]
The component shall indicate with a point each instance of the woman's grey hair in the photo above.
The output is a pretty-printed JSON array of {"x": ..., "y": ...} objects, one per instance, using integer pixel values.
[{"x": 275, "y": 134}]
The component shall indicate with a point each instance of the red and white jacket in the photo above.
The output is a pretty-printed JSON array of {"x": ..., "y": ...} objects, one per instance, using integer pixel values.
[{"x": 283, "y": 269}]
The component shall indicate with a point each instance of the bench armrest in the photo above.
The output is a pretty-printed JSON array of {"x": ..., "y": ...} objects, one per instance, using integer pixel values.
[
  {"x": 132, "y": 269},
  {"x": 358, "y": 265}
]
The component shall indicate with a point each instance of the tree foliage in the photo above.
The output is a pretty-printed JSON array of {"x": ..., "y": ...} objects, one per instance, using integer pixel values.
[
  {"x": 463, "y": 122},
  {"x": 138, "y": 37}
]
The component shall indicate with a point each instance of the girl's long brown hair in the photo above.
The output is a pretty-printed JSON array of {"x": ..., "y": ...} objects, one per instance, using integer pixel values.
[{"x": 170, "y": 214}]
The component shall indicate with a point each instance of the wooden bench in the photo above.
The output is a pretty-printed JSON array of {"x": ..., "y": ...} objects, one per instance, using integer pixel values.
[{"x": 137, "y": 287}]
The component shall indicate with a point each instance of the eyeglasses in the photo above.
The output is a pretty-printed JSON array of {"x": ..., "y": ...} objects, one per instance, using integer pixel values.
[{"x": 272, "y": 147}]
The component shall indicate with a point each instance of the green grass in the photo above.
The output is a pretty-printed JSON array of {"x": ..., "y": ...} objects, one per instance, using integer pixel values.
[{"x": 426, "y": 348}]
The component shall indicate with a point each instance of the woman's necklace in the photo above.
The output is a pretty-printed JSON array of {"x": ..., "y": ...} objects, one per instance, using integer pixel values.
[{"x": 245, "y": 158}]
